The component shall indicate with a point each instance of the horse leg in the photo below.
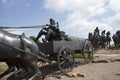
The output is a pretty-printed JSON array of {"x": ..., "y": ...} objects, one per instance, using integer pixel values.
[
  {"x": 109, "y": 44},
  {"x": 15, "y": 76},
  {"x": 34, "y": 71},
  {"x": 31, "y": 71},
  {"x": 22, "y": 70},
  {"x": 18, "y": 75},
  {"x": 115, "y": 45},
  {"x": 104, "y": 45},
  {"x": 19, "y": 71},
  {"x": 11, "y": 68}
]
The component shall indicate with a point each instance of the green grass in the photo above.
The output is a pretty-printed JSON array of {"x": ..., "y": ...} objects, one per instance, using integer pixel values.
[
  {"x": 2, "y": 69},
  {"x": 78, "y": 55}
]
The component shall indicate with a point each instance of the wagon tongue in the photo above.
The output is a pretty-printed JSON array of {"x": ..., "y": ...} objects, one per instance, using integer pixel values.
[{"x": 23, "y": 27}]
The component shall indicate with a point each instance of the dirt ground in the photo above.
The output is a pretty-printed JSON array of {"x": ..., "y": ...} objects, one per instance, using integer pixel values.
[
  {"x": 105, "y": 66},
  {"x": 99, "y": 71}
]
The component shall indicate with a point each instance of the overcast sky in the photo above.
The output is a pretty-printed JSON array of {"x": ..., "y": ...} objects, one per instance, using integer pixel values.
[{"x": 76, "y": 17}]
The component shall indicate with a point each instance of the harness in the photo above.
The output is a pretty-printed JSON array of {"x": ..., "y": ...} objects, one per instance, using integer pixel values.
[{"x": 23, "y": 45}]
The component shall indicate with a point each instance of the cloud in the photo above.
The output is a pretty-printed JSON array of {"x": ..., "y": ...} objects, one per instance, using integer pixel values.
[
  {"x": 79, "y": 26},
  {"x": 79, "y": 14},
  {"x": 113, "y": 19},
  {"x": 70, "y": 5},
  {"x": 114, "y": 5}
]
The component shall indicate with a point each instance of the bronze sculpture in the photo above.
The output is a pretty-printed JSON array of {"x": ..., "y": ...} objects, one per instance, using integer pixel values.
[
  {"x": 21, "y": 52},
  {"x": 52, "y": 31},
  {"x": 116, "y": 39}
]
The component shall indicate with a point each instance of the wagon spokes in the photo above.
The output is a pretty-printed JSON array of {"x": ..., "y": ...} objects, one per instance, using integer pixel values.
[
  {"x": 88, "y": 51},
  {"x": 65, "y": 60}
]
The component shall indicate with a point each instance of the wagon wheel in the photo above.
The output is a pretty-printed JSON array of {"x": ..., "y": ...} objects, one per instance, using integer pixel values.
[
  {"x": 65, "y": 60},
  {"x": 88, "y": 51}
]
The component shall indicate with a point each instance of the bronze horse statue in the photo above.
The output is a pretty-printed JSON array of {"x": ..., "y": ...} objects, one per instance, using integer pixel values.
[
  {"x": 96, "y": 40},
  {"x": 108, "y": 40},
  {"x": 103, "y": 40},
  {"x": 20, "y": 52},
  {"x": 116, "y": 39},
  {"x": 90, "y": 38}
]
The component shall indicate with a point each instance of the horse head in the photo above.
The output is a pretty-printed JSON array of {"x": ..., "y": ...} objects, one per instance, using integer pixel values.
[
  {"x": 90, "y": 36},
  {"x": 118, "y": 33},
  {"x": 116, "y": 39}
]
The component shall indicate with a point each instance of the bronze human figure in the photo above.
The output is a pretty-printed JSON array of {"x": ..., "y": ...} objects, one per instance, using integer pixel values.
[
  {"x": 52, "y": 31},
  {"x": 96, "y": 31},
  {"x": 108, "y": 39}
]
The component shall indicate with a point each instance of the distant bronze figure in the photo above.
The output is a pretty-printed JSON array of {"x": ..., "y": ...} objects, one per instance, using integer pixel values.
[
  {"x": 116, "y": 39},
  {"x": 90, "y": 38},
  {"x": 96, "y": 40},
  {"x": 108, "y": 39},
  {"x": 103, "y": 39},
  {"x": 103, "y": 33},
  {"x": 96, "y": 31}
]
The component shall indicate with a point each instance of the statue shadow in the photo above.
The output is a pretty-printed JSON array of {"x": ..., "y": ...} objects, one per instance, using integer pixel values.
[
  {"x": 50, "y": 70},
  {"x": 53, "y": 70}
]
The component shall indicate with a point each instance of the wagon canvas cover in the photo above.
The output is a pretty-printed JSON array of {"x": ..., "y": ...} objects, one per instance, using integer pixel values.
[{"x": 55, "y": 46}]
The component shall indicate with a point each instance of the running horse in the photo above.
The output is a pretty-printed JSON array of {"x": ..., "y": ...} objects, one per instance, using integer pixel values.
[
  {"x": 96, "y": 40},
  {"x": 90, "y": 37},
  {"x": 103, "y": 40},
  {"x": 21, "y": 52},
  {"x": 116, "y": 39},
  {"x": 108, "y": 40}
]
